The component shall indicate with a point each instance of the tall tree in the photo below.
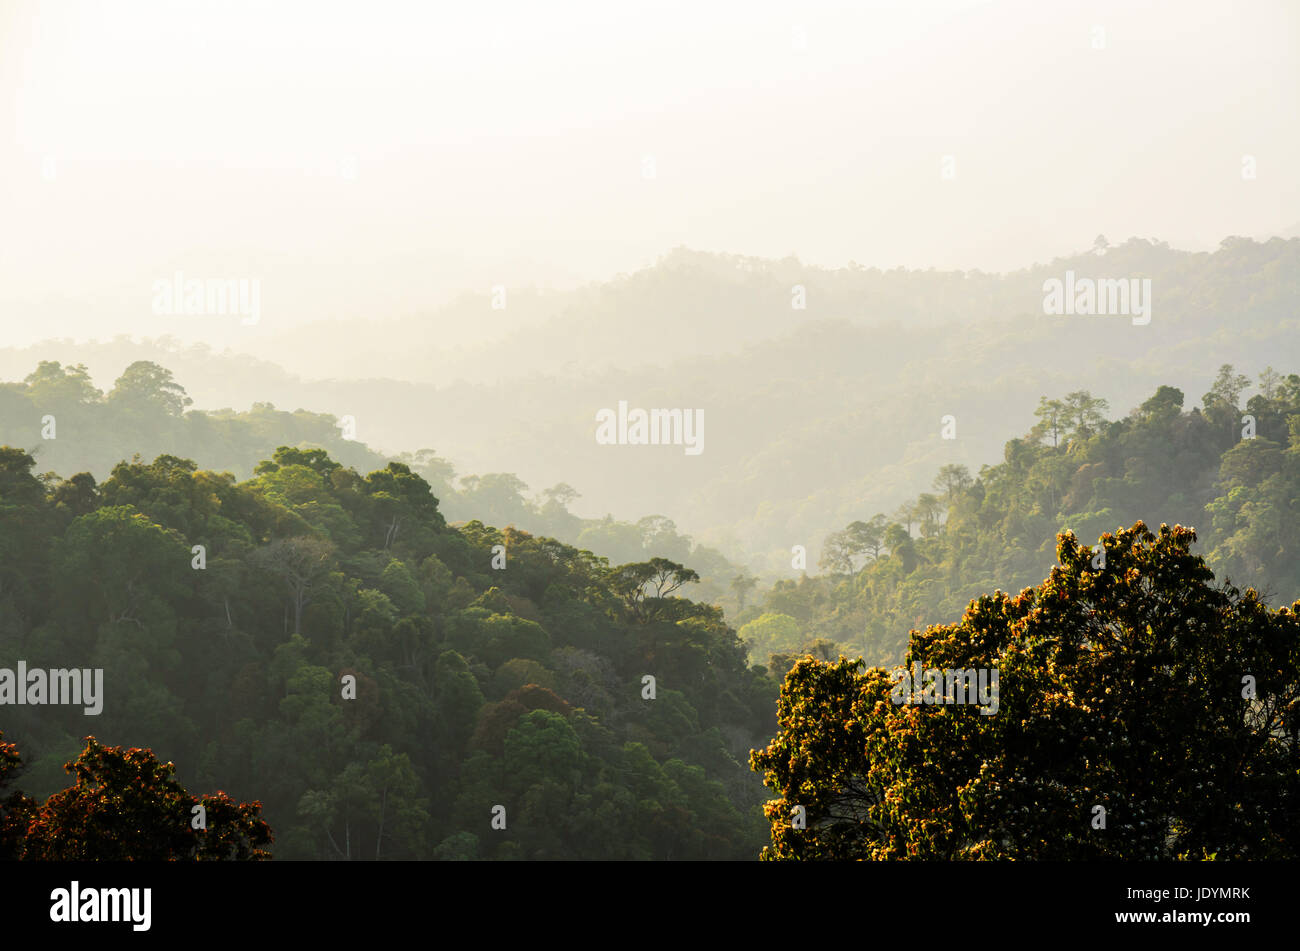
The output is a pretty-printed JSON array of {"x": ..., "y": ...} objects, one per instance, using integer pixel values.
[
  {"x": 837, "y": 554},
  {"x": 1085, "y": 412},
  {"x": 146, "y": 386},
  {"x": 1227, "y": 389},
  {"x": 742, "y": 584},
  {"x": 1052, "y": 419},
  {"x": 929, "y": 508},
  {"x": 952, "y": 480},
  {"x": 301, "y": 562},
  {"x": 868, "y": 538},
  {"x": 647, "y": 587},
  {"x": 1141, "y": 711}
]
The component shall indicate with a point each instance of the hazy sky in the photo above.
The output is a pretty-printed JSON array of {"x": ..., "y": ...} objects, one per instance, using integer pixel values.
[{"x": 369, "y": 159}]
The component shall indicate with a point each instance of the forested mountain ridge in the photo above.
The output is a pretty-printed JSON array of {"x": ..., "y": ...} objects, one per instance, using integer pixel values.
[
  {"x": 386, "y": 685},
  {"x": 323, "y": 642},
  {"x": 700, "y": 302},
  {"x": 813, "y": 414},
  {"x": 1231, "y": 467},
  {"x": 382, "y": 679},
  {"x": 69, "y": 425}
]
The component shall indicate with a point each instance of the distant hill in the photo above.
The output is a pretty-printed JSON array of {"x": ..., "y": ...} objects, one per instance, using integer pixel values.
[{"x": 812, "y": 415}]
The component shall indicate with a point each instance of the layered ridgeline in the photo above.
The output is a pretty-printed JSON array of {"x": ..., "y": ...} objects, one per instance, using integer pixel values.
[
  {"x": 1230, "y": 467},
  {"x": 69, "y": 425},
  {"x": 822, "y": 388},
  {"x": 386, "y": 686}
]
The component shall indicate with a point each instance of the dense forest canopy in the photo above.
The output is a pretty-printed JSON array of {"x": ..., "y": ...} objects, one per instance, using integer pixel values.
[
  {"x": 1140, "y": 711},
  {"x": 1230, "y": 466},
  {"x": 70, "y": 425},
  {"x": 323, "y": 643},
  {"x": 369, "y": 681},
  {"x": 814, "y": 414},
  {"x": 466, "y": 432}
]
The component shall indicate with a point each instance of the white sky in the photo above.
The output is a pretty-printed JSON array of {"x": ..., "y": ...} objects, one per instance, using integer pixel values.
[{"x": 504, "y": 142}]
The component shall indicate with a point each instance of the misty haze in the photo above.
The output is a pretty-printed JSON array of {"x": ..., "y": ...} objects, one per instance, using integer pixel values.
[{"x": 649, "y": 432}]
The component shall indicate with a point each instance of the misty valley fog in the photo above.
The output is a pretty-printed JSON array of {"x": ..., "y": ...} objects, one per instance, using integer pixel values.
[{"x": 676, "y": 433}]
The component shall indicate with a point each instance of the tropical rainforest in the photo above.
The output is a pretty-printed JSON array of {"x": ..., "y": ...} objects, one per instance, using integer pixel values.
[{"x": 361, "y": 657}]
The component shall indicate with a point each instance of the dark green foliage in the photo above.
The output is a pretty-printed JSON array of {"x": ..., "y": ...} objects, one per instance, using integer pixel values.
[
  {"x": 1074, "y": 470},
  {"x": 365, "y": 671}
]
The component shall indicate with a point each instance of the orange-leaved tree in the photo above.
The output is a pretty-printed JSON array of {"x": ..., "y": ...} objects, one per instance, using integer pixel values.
[{"x": 126, "y": 806}]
